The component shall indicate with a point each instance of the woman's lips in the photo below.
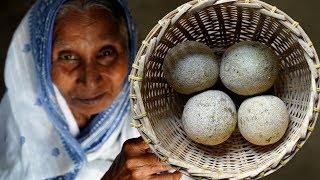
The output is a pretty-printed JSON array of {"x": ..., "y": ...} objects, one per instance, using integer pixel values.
[{"x": 91, "y": 100}]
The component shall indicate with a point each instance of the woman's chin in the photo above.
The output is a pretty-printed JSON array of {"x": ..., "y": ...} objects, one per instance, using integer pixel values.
[{"x": 89, "y": 108}]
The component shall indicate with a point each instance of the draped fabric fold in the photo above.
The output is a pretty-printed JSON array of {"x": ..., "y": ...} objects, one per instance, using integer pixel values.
[{"x": 37, "y": 130}]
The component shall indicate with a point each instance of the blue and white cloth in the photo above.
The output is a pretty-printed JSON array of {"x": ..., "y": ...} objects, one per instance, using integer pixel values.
[{"x": 37, "y": 129}]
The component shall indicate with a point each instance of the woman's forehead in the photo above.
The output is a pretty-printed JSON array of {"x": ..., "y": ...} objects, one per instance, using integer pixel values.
[
  {"x": 86, "y": 22},
  {"x": 86, "y": 16},
  {"x": 76, "y": 22}
]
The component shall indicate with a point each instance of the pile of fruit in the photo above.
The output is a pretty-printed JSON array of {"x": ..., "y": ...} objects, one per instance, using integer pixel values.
[{"x": 210, "y": 116}]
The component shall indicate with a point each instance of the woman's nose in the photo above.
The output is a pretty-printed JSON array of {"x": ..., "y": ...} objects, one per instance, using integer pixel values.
[{"x": 89, "y": 76}]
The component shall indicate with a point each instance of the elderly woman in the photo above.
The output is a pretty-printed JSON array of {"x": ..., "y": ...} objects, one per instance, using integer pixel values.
[{"x": 65, "y": 113}]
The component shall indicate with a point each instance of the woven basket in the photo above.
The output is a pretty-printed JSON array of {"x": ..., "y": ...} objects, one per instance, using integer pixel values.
[{"x": 157, "y": 108}]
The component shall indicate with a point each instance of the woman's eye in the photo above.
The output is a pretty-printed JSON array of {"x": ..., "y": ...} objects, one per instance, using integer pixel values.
[
  {"x": 106, "y": 52},
  {"x": 68, "y": 57}
]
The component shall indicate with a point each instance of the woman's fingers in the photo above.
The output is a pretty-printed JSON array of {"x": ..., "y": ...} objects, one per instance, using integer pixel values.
[
  {"x": 148, "y": 171},
  {"x": 168, "y": 176},
  {"x": 145, "y": 160},
  {"x": 137, "y": 162},
  {"x": 146, "y": 165},
  {"x": 136, "y": 146}
]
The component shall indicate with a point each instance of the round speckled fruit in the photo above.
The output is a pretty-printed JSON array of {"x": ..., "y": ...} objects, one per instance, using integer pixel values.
[
  {"x": 210, "y": 117},
  {"x": 263, "y": 120},
  {"x": 191, "y": 67},
  {"x": 249, "y": 68}
]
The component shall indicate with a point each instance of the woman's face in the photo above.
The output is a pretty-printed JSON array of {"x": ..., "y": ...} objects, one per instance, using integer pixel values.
[{"x": 89, "y": 60}]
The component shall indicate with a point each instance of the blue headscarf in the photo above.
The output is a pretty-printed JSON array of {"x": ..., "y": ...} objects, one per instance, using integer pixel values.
[{"x": 32, "y": 95}]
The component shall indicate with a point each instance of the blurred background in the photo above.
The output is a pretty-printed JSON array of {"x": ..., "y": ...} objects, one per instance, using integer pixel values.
[{"x": 146, "y": 14}]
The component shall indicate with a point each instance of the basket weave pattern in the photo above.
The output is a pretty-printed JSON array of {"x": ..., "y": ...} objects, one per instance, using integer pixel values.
[{"x": 157, "y": 108}]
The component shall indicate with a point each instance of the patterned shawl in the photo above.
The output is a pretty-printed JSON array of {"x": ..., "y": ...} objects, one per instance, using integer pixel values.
[{"x": 36, "y": 135}]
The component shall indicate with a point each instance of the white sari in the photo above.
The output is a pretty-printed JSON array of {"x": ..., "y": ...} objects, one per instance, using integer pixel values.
[{"x": 37, "y": 128}]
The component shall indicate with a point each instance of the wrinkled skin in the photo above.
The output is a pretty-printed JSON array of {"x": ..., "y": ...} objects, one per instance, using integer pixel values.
[
  {"x": 89, "y": 66},
  {"x": 89, "y": 62},
  {"x": 136, "y": 162}
]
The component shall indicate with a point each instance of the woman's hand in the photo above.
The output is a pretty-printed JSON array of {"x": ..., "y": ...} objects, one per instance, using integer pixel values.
[{"x": 136, "y": 161}]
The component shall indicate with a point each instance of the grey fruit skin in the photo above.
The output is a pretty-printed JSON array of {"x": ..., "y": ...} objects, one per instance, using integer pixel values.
[
  {"x": 263, "y": 120},
  {"x": 191, "y": 67},
  {"x": 210, "y": 117},
  {"x": 249, "y": 68}
]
